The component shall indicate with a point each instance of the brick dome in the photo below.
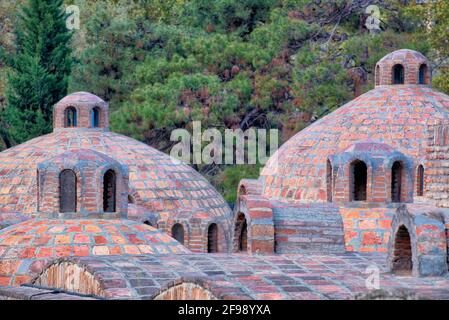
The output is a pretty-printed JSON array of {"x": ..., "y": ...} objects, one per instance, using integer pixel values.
[
  {"x": 158, "y": 183},
  {"x": 409, "y": 119},
  {"x": 26, "y": 247}
]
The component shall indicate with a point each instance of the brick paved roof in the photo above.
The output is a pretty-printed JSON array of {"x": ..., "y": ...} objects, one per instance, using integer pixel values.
[
  {"x": 27, "y": 246},
  {"x": 241, "y": 276}
]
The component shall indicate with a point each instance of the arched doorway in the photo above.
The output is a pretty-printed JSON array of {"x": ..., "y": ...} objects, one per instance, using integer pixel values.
[
  {"x": 70, "y": 117},
  {"x": 109, "y": 191},
  {"x": 398, "y": 74},
  {"x": 177, "y": 232},
  {"x": 396, "y": 181},
  {"x": 212, "y": 238},
  {"x": 241, "y": 234},
  {"x": 402, "y": 260},
  {"x": 358, "y": 177},
  {"x": 67, "y": 191}
]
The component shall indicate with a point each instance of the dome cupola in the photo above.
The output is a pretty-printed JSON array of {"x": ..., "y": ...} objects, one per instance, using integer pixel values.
[
  {"x": 403, "y": 67},
  {"x": 81, "y": 110}
]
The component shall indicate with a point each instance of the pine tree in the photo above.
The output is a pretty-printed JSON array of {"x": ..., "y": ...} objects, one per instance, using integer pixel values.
[{"x": 40, "y": 67}]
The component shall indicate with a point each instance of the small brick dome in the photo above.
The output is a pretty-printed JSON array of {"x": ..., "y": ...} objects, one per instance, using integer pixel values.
[
  {"x": 410, "y": 119},
  {"x": 81, "y": 110},
  {"x": 25, "y": 248},
  {"x": 403, "y": 67}
]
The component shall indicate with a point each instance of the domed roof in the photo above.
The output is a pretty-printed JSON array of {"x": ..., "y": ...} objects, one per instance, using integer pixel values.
[
  {"x": 27, "y": 246},
  {"x": 81, "y": 97},
  {"x": 398, "y": 116},
  {"x": 404, "y": 56},
  {"x": 156, "y": 181}
]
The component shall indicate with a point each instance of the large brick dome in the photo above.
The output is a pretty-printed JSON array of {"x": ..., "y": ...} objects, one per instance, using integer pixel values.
[
  {"x": 337, "y": 184},
  {"x": 158, "y": 184},
  {"x": 401, "y": 116}
]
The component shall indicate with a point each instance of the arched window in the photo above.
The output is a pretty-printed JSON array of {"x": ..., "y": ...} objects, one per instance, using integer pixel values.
[
  {"x": 177, "y": 232},
  {"x": 398, "y": 74},
  {"x": 422, "y": 74},
  {"x": 131, "y": 199},
  {"x": 396, "y": 181},
  {"x": 67, "y": 191},
  {"x": 109, "y": 191},
  {"x": 329, "y": 181},
  {"x": 377, "y": 75},
  {"x": 95, "y": 117},
  {"x": 212, "y": 238},
  {"x": 420, "y": 181},
  {"x": 402, "y": 260},
  {"x": 70, "y": 117},
  {"x": 358, "y": 177}
]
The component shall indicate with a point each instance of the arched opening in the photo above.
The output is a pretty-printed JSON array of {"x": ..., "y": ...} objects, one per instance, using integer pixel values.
[
  {"x": 358, "y": 177},
  {"x": 70, "y": 117},
  {"x": 95, "y": 117},
  {"x": 131, "y": 199},
  {"x": 177, "y": 232},
  {"x": 377, "y": 75},
  {"x": 422, "y": 74},
  {"x": 109, "y": 191},
  {"x": 67, "y": 191},
  {"x": 398, "y": 74},
  {"x": 329, "y": 181},
  {"x": 212, "y": 238},
  {"x": 241, "y": 234},
  {"x": 420, "y": 181},
  {"x": 396, "y": 181},
  {"x": 402, "y": 259},
  {"x": 147, "y": 222},
  {"x": 186, "y": 291},
  {"x": 71, "y": 277}
]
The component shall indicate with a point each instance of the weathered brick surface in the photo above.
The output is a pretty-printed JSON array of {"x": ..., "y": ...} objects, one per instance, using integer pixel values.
[
  {"x": 418, "y": 241},
  {"x": 308, "y": 228},
  {"x": 25, "y": 248},
  {"x": 404, "y": 124},
  {"x": 160, "y": 185},
  {"x": 224, "y": 276},
  {"x": 409, "y": 59}
]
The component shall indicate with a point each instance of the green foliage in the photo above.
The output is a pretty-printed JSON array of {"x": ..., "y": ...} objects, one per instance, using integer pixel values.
[
  {"x": 228, "y": 180},
  {"x": 431, "y": 21},
  {"x": 40, "y": 67},
  {"x": 227, "y": 15}
]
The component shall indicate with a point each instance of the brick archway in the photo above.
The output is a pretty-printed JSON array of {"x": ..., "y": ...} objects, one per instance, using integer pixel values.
[{"x": 402, "y": 260}]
